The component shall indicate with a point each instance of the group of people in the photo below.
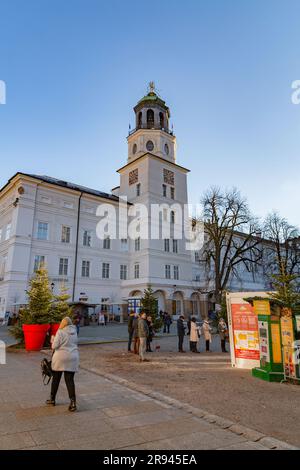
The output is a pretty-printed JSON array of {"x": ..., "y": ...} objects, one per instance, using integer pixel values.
[
  {"x": 140, "y": 333},
  {"x": 194, "y": 333}
]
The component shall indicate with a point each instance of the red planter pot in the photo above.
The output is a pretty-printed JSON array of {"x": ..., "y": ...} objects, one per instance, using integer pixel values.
[
  {"x": 53, "y": 329},
  {"x": 35, "y": 336}
]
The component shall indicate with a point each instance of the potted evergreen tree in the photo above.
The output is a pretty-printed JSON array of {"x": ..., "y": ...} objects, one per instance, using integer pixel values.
[
  {"x": 34, "y": 318},
  {"x": 59, "y": 309},
  {"x": 149, "y": 306}
]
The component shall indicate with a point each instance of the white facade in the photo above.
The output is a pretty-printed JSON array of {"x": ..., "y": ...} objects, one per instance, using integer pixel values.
[{"x": 51, "y": 221}]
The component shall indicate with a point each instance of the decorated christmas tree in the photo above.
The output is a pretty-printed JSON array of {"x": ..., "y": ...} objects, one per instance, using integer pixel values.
[
  {"x": 149, "y": 306},
  {"x": 60, "y": 307},
  {"x": 286, "y": 287}
]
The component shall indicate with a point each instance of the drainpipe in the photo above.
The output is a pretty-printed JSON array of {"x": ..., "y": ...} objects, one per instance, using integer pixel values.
[{"x": 76, "y": 248}]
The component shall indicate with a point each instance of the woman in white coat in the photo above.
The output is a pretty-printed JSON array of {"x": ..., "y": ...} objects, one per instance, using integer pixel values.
[
  {"x": 65, "y": 359},
  {"x": 194, "y": 335},
  {"x": 207, "y": 333}
]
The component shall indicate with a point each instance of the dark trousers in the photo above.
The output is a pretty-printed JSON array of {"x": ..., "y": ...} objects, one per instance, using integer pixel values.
[
  {"x": 180, "y": 342},
  {"x": 130, "y": 340},
  {"x": 207, "y": 344},
  {"x": 69, "y": 379},
  {"x": 193, "y": 346},
  {"x": 136, "y": 345},
  {"x": 148, "y": 344},
  {"x": 166, "y": 328},
  {"x": 223, "y": 345}
]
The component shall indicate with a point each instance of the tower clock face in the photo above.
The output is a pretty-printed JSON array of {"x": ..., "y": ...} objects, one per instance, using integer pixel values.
[
  {"x": 149, "y": 145},
  {"x": 167, "y": 149}
]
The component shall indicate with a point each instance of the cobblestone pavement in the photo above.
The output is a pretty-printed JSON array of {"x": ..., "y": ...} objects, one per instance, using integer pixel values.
[{"x": 111, "y": 416}]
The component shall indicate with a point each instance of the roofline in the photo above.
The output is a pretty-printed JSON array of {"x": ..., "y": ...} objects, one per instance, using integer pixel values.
[
  {"x": 110, "y": 197},
  {"x": 155, "y": 156}
]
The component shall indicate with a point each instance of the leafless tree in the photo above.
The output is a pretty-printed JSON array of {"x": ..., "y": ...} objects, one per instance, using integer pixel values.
[
  {"x": 232, "y": 237},
  {"x": 282, "y": 253}
]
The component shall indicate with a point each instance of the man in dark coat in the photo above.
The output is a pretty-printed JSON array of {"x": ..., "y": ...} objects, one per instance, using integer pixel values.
[
  {"x": 180, "y": 332},
  {"x": 130, "y": 330}
]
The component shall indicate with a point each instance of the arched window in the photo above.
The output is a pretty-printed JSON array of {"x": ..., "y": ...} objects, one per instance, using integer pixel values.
[
  {"x": 140, "y": 119},
  {"x": 150, "y": 118},
  {"x": 161, "y": 120}
]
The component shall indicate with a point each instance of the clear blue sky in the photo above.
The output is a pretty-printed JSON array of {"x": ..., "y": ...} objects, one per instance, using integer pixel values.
[{"x": 74, "y": 70}]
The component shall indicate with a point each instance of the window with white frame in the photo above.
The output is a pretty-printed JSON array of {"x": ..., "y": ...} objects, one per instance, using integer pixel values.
[
  {"x": 124, "y": 244},
  {"x": 85, "y": 268},
  {"x": 63, "y": 266},
  {"x": 137, "y": 244},
  {"x": 65, "y": 234},
  {"x": 39, "y": 261},
  {"x": 167, "y": 271},
  {"x": 167, "y": 244},
  {"x": 87, "y": 238},
  {"x": 123, "y": 272},
  {"x": 197, "y": 257},
  {"x": 7, "y": 231},
  {"x": 106, "y": 243},
  {"x": 42, "y": 231},
  {"x": 138, "y": 189},
  {"x": 136, "y": 271},
  {"x": 3, "y": 262},
  {"x": 172, "y": 193},
  {"x": 176, "y": 272},
  {"x": 172, "y": 217},
  {"x": 105, "y": 270},
  {"x": 175, "y": 246},
  {"x": 164, "y": 190}
]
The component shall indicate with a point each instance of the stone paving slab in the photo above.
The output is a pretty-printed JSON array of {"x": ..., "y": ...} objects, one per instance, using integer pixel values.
[{"x": 110, "y": 416}]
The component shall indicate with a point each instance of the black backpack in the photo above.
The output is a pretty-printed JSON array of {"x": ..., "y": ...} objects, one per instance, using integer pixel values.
[{"x": 46, "y": 370}]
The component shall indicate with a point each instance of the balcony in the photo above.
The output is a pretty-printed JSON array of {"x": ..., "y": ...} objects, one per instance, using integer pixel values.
[{"x": 151, "y": 127}]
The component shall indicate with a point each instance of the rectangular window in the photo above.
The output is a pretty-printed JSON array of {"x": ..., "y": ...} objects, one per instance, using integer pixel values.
[
  {"x": 39, "y": 260},
  {"x": 65, "y": 234},
  {"x": 87, "y": 238},
  {"x": 63, "y": 266},
  {"x": 176, "y": 272},
  {"x": 106, "y": 243},
  {"x": 167, "y": 271},
  {"x": 172, "y": 217},
  {"x": 123, "y": 271},
  {"x": 172, "y": 193},
  {"x": 136, "y": 271},
  {"x": 164, "y": 189},
  {"x": 7, "y": 232},
  {"x": 137, "y": 244},
  {"x": 42, "y": 231},
  {"x": 197, "y": 258},
  {"x": 85, "y": 268},
  {"x": 175, "y": 246},
  {"x": 167, "y": 244},
  {"x": 105, "y": 270},
  {"x": 124, "y": 244},
  {"x": 138, "y": 189}
]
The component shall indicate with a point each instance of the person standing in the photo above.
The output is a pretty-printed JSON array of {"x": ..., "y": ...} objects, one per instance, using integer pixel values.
[
  {"x": 207, "y": 334},
  {"x": 130, "y": 329},
  {"x": 65, "y": 360},
  {"x": 150, "y": 335},
  {"x": 143, "y": 333},
  {"x": 180, "y": 333},
  {"x": 167, "y": 322},
  {"x": 135, "y": 334},
  {"x": 223, "y": 332},
  {"x": 194, "y": 335}
]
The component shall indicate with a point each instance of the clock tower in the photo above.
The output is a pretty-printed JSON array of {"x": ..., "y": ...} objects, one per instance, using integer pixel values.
[{"x": 152, "y": 133}]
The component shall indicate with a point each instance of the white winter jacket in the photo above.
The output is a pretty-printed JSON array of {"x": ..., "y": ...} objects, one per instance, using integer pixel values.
[{"x": 65, "y": 346}]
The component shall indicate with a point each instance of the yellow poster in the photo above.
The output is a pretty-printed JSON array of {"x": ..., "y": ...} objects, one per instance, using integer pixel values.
[
  {"x": 276, "y": 345},
  {"x": 262, "y": 307},
  {"x": 287, "y": 331}
]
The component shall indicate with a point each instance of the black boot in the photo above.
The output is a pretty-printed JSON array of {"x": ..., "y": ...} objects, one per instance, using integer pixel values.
[
  {"x": 72, "y": 406},
  {"x": 51, "y": 401}
]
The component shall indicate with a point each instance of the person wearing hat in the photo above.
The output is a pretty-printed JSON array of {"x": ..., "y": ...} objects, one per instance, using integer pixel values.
[
  {"x": 206, "y": 328},
  {"x": 223, "y": 332},
  {"x": 194, "y": 335},
  {"x": 180, "y": 332},
  {"x": 65, "y": 360}
]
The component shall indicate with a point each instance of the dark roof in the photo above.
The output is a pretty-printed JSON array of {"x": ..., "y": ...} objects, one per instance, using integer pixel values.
[{"x": 68, "y": 185}]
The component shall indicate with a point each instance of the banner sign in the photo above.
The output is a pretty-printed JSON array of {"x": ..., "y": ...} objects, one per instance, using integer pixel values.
[{"x": 245, "y": 331}]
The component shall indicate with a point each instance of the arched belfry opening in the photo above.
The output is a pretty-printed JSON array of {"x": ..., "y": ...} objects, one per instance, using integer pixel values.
[
  {"x": 150, "y": 118},
  {"x": 161, "y": 120}
]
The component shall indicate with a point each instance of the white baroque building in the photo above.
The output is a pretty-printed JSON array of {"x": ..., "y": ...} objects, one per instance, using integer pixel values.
[{"x": 46, "y": 220}]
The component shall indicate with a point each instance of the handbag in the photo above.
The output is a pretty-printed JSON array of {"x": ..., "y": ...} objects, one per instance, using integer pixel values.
[{"x": 46, "y": 370}]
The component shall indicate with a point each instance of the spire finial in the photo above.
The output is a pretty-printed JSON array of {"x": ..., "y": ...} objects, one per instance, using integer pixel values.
[{"x": 151, "y": 87}]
